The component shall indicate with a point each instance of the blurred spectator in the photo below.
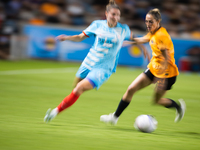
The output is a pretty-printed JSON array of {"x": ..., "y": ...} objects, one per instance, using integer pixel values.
[
  {"x": 26, "y": 14},
  {"x": 13, "y": 7},
  {"x": 38, "y": 19},
  {"x": 51, "y": 10},
  {"x": 76, "y": 12}
]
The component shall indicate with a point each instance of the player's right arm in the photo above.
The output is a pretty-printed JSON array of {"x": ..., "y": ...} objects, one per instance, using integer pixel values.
[
  {"x": 139, "y": 41},
  {"x": 74, "y": 38}
]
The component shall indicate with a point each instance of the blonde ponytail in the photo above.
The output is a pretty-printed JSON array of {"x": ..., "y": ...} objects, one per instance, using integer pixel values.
[{"x": 111, "y": 4}]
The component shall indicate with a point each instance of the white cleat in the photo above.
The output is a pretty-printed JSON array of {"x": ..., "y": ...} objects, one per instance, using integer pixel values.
[
  {"x": 181, "y": 112},
  {"x": 109, "y": 119},
  {"x": 47, "y": 115},
  {"x": 50, "y": 114}
]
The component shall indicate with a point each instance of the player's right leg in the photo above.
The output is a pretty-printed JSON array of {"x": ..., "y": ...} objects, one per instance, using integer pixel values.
[
  {"x": 166, "y": 102},
  {"x": 181, "y": 112}
]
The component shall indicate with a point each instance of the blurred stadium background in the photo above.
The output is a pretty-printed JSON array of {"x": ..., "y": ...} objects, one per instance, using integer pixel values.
[
  {"x": 28, "y": 28},
  {"x": 28, "y": 86}
]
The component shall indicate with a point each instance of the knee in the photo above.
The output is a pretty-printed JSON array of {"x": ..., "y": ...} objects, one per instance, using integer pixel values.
[
  {"x": 78, "y": 90},
  {"x": 131, "y": 90}
]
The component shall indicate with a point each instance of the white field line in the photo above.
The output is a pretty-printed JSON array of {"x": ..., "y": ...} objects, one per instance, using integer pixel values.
[{"x": 38, "y": 71}]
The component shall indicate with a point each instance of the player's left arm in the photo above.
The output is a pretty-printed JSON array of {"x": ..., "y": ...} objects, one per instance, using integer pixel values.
[
  {"x": 163, "y": 42},
  {"x": 166, "y": 56},
  {"x": 163, "y": 45},
  {"x": 162, "y": 82}
]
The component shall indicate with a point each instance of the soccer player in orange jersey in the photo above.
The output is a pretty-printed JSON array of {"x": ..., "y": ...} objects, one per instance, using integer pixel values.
[{"x": 161, "y": 70}]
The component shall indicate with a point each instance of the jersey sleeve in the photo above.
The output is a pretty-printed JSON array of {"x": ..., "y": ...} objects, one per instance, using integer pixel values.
[
  {"x": 90, "y": 30},
  {"x": 128, "y": 33}
]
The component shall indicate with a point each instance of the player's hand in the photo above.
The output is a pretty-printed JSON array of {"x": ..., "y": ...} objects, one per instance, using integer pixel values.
[
  {"x": 61, "y": 37},
  {"x": 126, "y": 43}
]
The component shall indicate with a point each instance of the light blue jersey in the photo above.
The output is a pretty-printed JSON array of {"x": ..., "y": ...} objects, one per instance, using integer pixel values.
[
  {"x": 105, "y": 51},
  {"x": 108, "y": 41}
]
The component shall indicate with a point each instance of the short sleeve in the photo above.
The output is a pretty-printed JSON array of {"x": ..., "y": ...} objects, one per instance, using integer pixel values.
[
  {"x": 128, "y": 33},
  {"x": 90, "y": 30}
]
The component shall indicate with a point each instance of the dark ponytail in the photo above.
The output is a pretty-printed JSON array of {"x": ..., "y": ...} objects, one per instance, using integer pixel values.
[{"x": 155, "y": 13}]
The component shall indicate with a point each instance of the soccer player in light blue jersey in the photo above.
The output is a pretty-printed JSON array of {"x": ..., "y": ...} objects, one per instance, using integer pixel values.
[{"x": 102, "y": 59}]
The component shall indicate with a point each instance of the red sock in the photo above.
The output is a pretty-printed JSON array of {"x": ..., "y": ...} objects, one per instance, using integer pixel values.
[{"x": 67, "y": 101}]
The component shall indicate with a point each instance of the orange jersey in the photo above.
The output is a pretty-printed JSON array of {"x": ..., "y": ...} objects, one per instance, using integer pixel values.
[{"x": 158, "y": 41}]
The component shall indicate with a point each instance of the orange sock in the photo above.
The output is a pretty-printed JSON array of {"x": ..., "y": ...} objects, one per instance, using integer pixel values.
[{"x": 67, "y": 101}]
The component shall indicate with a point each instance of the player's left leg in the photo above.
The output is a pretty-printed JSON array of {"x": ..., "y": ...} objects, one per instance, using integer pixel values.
[
  {"x": 162, "y": 86},
  {"x": 169, "y": 103}
]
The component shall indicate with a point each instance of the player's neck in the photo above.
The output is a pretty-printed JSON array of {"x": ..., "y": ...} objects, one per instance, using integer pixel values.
[
  {"x": 111, "y": 25},
  {"x": 156, "y": 30}
]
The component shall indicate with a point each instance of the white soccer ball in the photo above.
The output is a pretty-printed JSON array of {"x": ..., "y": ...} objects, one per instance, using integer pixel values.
[{"x": 145, "y": 123}]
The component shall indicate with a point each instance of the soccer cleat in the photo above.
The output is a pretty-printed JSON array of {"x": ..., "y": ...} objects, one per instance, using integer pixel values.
[
  {"x": 50, "y": 114},
  {"x": 181, "y": 112},
  {"x": 109, "y": 119},
  {"x": 47, "y": 115}
]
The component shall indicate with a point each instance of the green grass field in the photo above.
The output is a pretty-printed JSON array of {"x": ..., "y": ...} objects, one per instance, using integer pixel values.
[{"x": 29, "y": 88}]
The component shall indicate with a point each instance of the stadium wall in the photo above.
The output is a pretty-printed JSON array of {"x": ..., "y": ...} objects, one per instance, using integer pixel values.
[{"x": 41, "y": 44}]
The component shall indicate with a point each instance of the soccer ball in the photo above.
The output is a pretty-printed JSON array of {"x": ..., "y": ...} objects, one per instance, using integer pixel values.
[{"x": 145, "y": 123}]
